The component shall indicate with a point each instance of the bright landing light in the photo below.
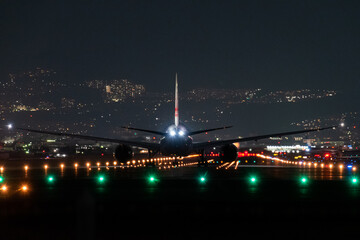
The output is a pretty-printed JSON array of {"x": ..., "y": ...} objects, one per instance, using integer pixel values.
[
  {"x": 181, "y": 133},
  {"x": 172, "y": 133}
]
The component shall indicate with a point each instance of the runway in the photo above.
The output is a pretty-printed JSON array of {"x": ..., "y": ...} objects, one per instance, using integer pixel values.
[{"x": 184, "y": 202}]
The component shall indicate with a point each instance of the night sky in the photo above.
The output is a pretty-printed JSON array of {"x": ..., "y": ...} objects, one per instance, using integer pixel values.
[{"x": 226, "y": 44}]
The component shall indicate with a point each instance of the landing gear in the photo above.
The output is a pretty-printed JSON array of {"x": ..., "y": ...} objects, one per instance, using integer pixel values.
[
  {"x": 152, "y": 153},
  {"x": 202, "y": 162}
]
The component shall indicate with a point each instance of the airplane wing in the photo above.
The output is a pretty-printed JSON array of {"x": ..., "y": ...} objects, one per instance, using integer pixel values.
[
  {"x": 203, "y": 145},
  {"x": 153, "y": 146},
  {"x": 208, "y": 130},
  {"x": 145, "y": 130}
]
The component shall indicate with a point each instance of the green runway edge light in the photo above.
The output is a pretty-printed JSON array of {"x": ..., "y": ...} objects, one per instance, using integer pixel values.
[
  {"x": 51, "y": 179},
  {"x": 1, "y": 179},
  {"x": 101, "y": 179},
  {"x": 253, "y": 180},
  {"x": 354, "y": 180},
  {"x": 303, "y": 180},
  {"x": 152, "y": 179},
  {"x": 202, "y": 179}
]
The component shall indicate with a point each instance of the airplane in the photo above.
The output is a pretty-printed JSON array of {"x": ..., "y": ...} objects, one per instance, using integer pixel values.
[{"x": 176, "y": 140}]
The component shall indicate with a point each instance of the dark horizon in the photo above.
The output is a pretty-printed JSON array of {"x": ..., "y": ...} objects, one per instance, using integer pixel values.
[{"x": 232, "y": 44}]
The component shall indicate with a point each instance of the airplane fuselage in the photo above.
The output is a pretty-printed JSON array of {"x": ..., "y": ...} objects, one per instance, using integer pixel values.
[
  {"x": 176, "y": 142},
  {"x": 176, "y": 146}
]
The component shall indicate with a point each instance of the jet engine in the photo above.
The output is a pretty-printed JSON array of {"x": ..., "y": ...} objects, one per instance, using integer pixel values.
[
  {"x": 123, "y": 153},
  {"x": 229, "y": 153}
]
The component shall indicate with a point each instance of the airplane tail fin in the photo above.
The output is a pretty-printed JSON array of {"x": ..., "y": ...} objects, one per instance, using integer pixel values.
[{"x": 176, "y": 102}]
